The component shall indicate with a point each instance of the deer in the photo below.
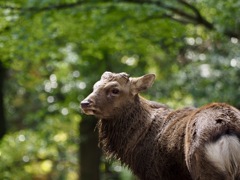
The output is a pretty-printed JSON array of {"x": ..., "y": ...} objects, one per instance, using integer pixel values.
[{"x": 157, "y": 142}]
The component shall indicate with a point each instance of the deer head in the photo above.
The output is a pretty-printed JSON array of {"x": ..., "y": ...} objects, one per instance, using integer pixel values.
[{"x": 113, "y": 92}]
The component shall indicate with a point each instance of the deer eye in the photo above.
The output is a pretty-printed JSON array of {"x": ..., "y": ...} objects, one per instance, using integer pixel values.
[{"x": 115, "y": 91}]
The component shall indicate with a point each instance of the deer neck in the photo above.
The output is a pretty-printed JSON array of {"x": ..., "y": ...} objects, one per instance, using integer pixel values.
[{"x": 120, "y": 136}]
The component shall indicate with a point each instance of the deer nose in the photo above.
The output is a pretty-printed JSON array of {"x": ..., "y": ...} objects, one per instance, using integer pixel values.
[{"x": 85, "y": 103}]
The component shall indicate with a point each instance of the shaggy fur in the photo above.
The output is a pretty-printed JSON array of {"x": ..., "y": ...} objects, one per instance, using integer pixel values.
[
  {"x": 208, "y": 129},
  {"x": 156, "y": 142}
]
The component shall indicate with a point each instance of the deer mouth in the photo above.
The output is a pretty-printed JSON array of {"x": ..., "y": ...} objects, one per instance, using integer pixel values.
[
  {"x": 90, "y": 111},
  {"x": 88, "y": 108}
]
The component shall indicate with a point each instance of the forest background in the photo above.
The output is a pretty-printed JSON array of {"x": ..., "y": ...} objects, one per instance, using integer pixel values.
[{"x": 52, "y": 51}]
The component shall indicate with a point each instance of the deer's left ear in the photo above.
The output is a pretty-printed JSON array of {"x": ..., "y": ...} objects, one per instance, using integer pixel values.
[
  {"x": 106, "y": 75},
  {"x": 141, "y": 83}
]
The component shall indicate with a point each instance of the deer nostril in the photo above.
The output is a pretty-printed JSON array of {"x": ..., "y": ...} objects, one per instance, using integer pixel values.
[{"x": 85, "y": 103}]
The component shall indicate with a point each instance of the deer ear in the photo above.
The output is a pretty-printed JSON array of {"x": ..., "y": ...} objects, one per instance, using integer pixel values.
[
  {"x": 141, "y": 83},
  {"x": 106, "y": 75}
]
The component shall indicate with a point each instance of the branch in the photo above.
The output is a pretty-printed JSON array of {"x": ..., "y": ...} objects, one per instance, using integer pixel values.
[
  {"x": 184, "y": 17},
  {"x": 167, "y": 16},
  {"x": 173, "y": 13},
  {"x": 198, "y": 15},
  {"x": 197, "y": 18}
]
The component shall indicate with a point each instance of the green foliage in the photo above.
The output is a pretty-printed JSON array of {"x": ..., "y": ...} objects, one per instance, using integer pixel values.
[
  {"x": 215, "y": 75},
  {"x": 27, "y": 155},
  {"x": 224, "y": 14},
  {"x": 56, "y": 49}
]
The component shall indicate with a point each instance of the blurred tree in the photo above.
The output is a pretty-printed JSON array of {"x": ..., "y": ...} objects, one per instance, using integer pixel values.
[
  {"x": 2, "y": 107},
  {"x": 89, "y": 151}
]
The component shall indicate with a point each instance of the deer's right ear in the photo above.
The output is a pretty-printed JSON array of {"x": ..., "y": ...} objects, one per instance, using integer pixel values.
[{"x": 141, "y": 83}]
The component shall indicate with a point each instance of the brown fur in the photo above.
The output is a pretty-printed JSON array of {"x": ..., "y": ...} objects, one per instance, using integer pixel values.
[{"x": 154, "y": 141}]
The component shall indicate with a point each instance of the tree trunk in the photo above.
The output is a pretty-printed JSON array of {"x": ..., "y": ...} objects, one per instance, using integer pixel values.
[
  {"x": 89, "y": 153},
  {"x": 3, "y": 128}
]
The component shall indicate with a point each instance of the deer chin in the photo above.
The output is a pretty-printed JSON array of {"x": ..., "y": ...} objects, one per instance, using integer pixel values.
[{"x": 88, "y": 112}]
